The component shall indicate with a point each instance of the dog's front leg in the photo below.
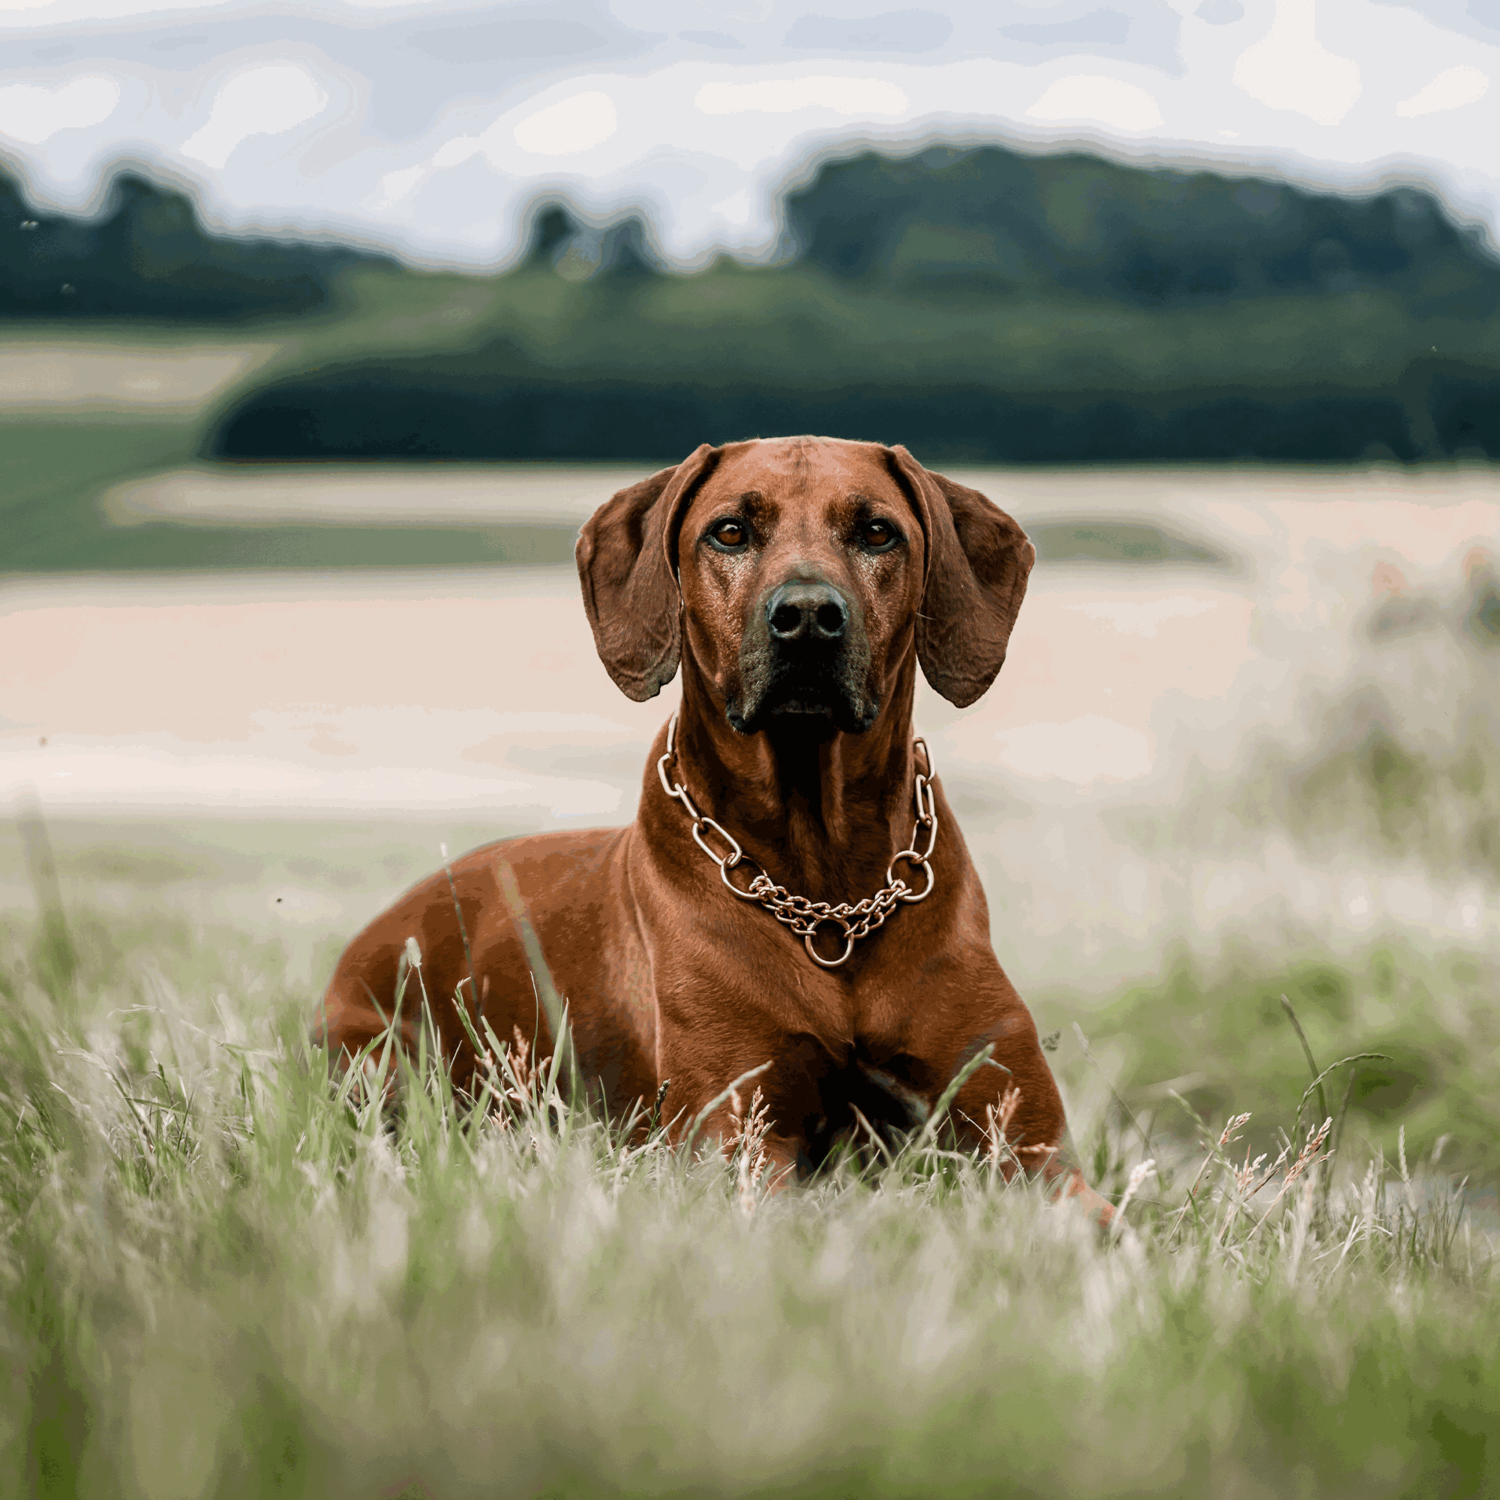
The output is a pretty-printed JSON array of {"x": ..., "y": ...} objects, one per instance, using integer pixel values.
[
  {"x": 1013, "y": 1113},
  {"x": 769, "y": 1157},
  {"x": 1067, "y": 1184}
]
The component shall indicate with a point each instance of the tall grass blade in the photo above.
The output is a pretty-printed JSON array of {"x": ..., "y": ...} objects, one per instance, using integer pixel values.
[
  {"x": 949, "y": 1094},
  {"x": 702, "y": 1117},
  {"x": 1312, "y": 1066},
  {"x": 463, "y": 932},
  {"x": 1124, "y": 1108},
  {"x": 541, "y": 975},
  {"x": 56, "y": 954}
]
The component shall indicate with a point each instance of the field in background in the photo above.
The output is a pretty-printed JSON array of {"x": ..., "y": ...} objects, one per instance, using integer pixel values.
[
  {"x": 977, "y": 302},
  {"x": 86, "y": 407}
]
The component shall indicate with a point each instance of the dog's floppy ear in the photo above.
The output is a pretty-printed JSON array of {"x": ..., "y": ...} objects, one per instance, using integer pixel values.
[
  {"x": 978, "y": 559},
  {"x": 625, "y": 565}
]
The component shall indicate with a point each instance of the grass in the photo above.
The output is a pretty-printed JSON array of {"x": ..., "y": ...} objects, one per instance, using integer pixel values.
[
  {"x": 55, "y": 468},
  {"x": 222, "y": 1276},
  {"x": 1215, "y": 1031},
  {"x": 54, "y": 465}
]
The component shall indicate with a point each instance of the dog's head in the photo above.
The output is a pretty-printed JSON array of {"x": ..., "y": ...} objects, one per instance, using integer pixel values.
[{"x": 801, "y": 573}]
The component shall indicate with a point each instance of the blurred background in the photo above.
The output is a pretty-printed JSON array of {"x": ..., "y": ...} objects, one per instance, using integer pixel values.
[{"x": 321, "y": 331}]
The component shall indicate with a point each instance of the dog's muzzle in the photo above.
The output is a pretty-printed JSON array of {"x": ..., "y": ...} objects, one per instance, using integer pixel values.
[{"x": 806, "y": 658}]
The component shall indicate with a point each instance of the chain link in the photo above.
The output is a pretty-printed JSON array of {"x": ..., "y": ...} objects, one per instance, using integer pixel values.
[{"x": 805, "y": 917}]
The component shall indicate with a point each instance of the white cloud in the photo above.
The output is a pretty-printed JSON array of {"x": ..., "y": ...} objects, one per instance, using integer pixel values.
[
  {"x": 1451, "y": 89},
  {"x": 33, "y": 113},
  {"x": 736, "y": 208},
  {"x": 1091, "y": 96},
  {"x": 578, "y": 123},
  {"x": 1083, "y": 750},
  {"x": 778, "y": 96},
  {"x": 1289, "y": 68},
  {"x": 400, "y": 184},
  {"x": 265, "y": 99},
  {"x": 457, "y": 151}
]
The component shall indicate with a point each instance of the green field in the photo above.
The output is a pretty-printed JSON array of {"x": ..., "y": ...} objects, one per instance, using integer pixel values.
[
  {"x": 56, "y": 466},
  {"x": 54, "y": 469},
  {"x": 223, "y": 1278},
  {"x": 56, "y": 463}
]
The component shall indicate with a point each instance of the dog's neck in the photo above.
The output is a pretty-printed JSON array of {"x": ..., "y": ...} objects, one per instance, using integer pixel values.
[{"x": 821, "y": 811}]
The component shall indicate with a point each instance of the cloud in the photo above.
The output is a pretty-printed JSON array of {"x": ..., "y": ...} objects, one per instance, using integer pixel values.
[
  {"x": 737, "y": 207},
  {"x": 399, "y": 184},
  {"x": 1108, "y": 28},
  {"x": 1289, "y": 68},
  {"x": 1220, "y": 12},
  {"x": 577, "y": 123},
  {"x": 1451, "y": 89},
  {"x": 720, "y": 39},
  {"x": 457, "y": 151},
  {"x": 33, "y": 113},
  {"x": 1090, "y": 96},
  {"x": 502, "y": 41},
  {"x": 845, "y": 96},
  {"x": 895, "y": 31},
  {"x": 265, "y": 99}
]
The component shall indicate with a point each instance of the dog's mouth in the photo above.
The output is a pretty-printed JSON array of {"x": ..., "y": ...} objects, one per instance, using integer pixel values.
[
  {"x": 819, "y": 694},
  {"x": 799, "y": 698},
  {"x": 804, "y": 664}
]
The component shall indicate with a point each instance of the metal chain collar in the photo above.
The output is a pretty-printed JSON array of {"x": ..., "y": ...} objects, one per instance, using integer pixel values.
[{"x": 804, "y": 917}]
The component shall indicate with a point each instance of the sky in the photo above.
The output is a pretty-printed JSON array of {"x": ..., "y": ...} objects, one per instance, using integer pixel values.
[{"x": 429, "y": 128}]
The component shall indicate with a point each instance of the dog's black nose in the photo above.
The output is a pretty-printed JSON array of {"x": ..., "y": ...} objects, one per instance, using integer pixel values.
[{"x": 806, "y": 611}]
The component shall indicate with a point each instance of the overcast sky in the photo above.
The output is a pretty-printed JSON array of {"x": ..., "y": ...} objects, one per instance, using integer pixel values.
[{"x": 427, "y": 127}]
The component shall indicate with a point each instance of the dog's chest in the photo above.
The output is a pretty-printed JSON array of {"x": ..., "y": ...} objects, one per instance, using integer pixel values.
[{"x": 853, "y": 1094}]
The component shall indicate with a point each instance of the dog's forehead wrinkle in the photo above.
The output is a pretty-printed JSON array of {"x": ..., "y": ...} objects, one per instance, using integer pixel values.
[
  {"x": 800, "y": 463},
  {"x": 716, "y": 503},
  {"x": 757, "y": 506},
  {"x": 869, "y": 500}
]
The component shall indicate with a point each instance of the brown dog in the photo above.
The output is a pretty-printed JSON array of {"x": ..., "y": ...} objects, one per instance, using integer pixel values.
[{"x": 798, "y": 582}]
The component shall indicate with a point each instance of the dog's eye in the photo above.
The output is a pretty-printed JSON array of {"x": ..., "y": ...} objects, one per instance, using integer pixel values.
[
  {"x": 729, "y": 534},
  {"x": 878, "y": 536}
]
